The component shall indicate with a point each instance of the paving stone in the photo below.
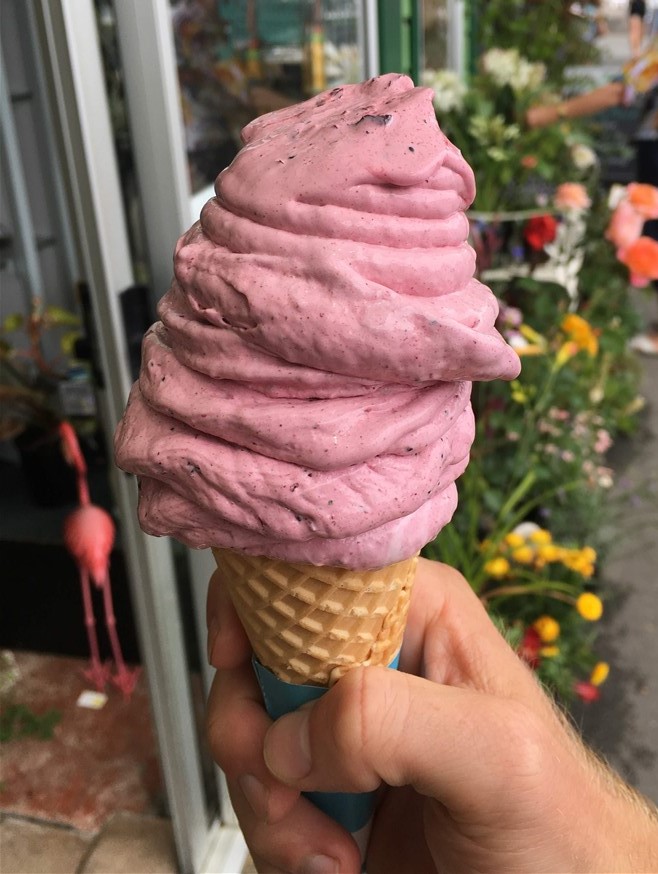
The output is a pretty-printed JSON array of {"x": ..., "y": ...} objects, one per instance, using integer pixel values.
[
  {"x": 32, "y": 848},
  {"x": 132, "y": 844}
]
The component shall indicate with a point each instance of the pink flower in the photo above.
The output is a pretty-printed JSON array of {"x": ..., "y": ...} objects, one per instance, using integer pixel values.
[
  {"x": 625, "y": 226},
  {"x": 571, "y": 196},
  {"x": 603, "y": 441}
]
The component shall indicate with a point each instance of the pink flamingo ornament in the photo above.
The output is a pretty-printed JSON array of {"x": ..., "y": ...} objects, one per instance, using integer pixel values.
[{"x": 89, "y": 536}]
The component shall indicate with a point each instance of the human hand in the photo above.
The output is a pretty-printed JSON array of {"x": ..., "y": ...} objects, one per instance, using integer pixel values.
[{"x": 480, "y": 771}]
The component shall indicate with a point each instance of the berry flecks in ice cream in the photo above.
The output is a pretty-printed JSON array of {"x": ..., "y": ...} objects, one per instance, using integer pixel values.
[{"x": 306, "y": 392}]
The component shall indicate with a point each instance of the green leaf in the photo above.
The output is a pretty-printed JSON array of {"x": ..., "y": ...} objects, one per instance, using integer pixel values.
[
  {"x": 59, "y": 316},
  {"x": 13, "y": 322}
]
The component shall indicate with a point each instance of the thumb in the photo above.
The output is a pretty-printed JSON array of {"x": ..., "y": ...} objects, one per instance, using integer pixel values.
[{"x": 462, "y": 747}]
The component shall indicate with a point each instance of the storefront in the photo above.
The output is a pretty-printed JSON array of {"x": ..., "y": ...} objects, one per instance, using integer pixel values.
[{"x": 131, "y": 165}]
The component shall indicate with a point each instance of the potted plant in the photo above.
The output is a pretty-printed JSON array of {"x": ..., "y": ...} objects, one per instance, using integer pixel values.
[{"x": 32, "y": 396}]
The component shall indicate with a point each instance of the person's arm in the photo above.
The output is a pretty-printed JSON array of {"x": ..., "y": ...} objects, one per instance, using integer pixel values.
[
  {"x": 589, "y": 103},
  {"x": 637, "y": 11},
  {"x": 486, "y": 774}
]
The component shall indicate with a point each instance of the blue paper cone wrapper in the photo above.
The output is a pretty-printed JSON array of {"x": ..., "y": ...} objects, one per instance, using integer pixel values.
[{"x": 352, "y": 810}]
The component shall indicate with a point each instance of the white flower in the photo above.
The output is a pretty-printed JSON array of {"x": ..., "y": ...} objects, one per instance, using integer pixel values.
[
  {"x": 501, "y": 65},
  {"x": 508, "y": 67},
  {"x": 525, "y": 529},
  {"x": 616, "y": 195},
  {"x": 582, "y": 156},
  {"x": 449, "y": 90}
]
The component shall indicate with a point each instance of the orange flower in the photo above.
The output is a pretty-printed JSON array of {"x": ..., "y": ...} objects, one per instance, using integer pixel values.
[
  {"x": 644, "y": 199},
  {"x": 641, "y": 258},
  {"x": 571, "y": 195},
  {"x": 581, "y": 332},
  {"x": 529, "y": 162}
]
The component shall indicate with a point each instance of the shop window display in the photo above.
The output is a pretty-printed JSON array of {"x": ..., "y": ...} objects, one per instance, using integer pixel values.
[{"x": 237, "y": 60}]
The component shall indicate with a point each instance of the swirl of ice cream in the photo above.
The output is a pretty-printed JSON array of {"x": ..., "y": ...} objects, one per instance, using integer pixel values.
[{"x": 306, "y": 394}]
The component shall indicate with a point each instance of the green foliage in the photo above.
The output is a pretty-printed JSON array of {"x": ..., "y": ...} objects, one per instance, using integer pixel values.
[
  {"x": 534, "y": 510},
  {"x": 18, "y": 722},
  {"x": 513, "y": 164},
  {"x": 547, "y": 31}
]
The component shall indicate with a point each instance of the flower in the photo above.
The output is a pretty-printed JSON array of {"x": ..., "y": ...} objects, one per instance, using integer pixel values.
[
  {"x": 529, "y": 162},
  {"x": 497, "y": 567},
  {"x": 599, "y": 673},
  {"x": 514, "y": 540},
  {"x": 549, "y": 552},
  {"x": 589, "y": 606},
  {"x": 581, "y": 333},
  {"x": 539, "y": 230},
  {"x": 582, "y": 156},
  {"x": 449, "y": 89},
  {"x": 547, "y": 628},
  {"x": 603, "y": 441},
  {"x": 586, "y": 691},
  {"x": 541, "y": 536},
  {"x": 530, "y": 647},
  {"x": 523, "y": 554},
  {"x": 625, "y": 226},
  {"x": 641, "y": 258},
  {"x": 571, "y": 196},
  {"x": 549, "y": 652},
  {"x": 644, "y": 199},
  {"x": 565, "y": 353}
]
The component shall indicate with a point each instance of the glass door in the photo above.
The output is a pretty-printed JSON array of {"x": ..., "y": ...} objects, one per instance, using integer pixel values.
[
  {"x": 67, "y": 34},
  {"x": 192, "y": 73}
]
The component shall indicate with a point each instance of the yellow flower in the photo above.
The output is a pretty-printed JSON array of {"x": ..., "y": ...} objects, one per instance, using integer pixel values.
[
  {"x": 581, "y": 332},
  {"x": 524, "y": 554},
  {"x": 497, "y": 567},
  {"x": 549, "y": 552},
  {"x": 588, "y": 554},
  {"x": 547, "y": 628},
  {"x": 529, "y": 349},
  {"x": 549, "y": 652},
  {"x": 514, "y": 540},
  {"x": 540, "y": 536},
  {"x": 519, "y": 395},
  {"x": 532, "y": 335},
  {"x": 600, "y": 673},
  {"x": 580, "y": 561},
  {"x": 589, "y": 606},
  {"x": 565, "y": 352}
]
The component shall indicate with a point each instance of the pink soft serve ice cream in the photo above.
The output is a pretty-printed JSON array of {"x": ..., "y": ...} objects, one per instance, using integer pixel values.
[{"x": 306, "y": 393}]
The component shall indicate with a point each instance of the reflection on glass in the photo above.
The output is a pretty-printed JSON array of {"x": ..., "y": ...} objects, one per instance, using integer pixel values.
[
  {"x": 240, "y": 58},
  {"x": 435, "y": 30}
]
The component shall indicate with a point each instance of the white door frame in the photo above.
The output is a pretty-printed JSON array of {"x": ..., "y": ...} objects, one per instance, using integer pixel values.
[{"x": 68, "y": 35}]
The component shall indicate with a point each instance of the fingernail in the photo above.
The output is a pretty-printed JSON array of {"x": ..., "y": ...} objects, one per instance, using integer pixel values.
[
  {"x": 319, "y": 865},
  {"x": 213, "y": 633},
  {"x": 256, "y": 793},
  {"x": 287, "y": 748}
]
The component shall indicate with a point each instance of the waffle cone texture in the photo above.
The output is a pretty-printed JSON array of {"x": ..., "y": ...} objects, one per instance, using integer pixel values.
[{"x": 311, "y": 624}]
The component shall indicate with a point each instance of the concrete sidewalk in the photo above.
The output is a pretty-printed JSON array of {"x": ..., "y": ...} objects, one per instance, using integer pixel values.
[{"x": 623, "y": 724}]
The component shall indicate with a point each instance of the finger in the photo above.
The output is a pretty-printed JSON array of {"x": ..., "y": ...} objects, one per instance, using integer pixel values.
[
  {"x": 451, "y": 639},
  {"x": 236, "y": 725},
  {"x": 461, "y": 747},
  {"x": 228, "y": 645},
  {"x": 304, "y": 841}
]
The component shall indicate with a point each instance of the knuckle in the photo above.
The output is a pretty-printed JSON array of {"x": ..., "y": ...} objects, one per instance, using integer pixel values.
[
  {"x": 365, "y": 712},
  {"x": 527, "y": 758}
]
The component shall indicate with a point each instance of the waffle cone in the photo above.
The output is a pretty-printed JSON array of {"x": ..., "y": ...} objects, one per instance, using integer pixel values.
[{"x": 311, "y": 624}]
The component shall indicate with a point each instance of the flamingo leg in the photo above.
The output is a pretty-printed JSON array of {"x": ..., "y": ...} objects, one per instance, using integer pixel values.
[
  {"x": 124, "y": 679},
  {"x": 97, "y": 673}
]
